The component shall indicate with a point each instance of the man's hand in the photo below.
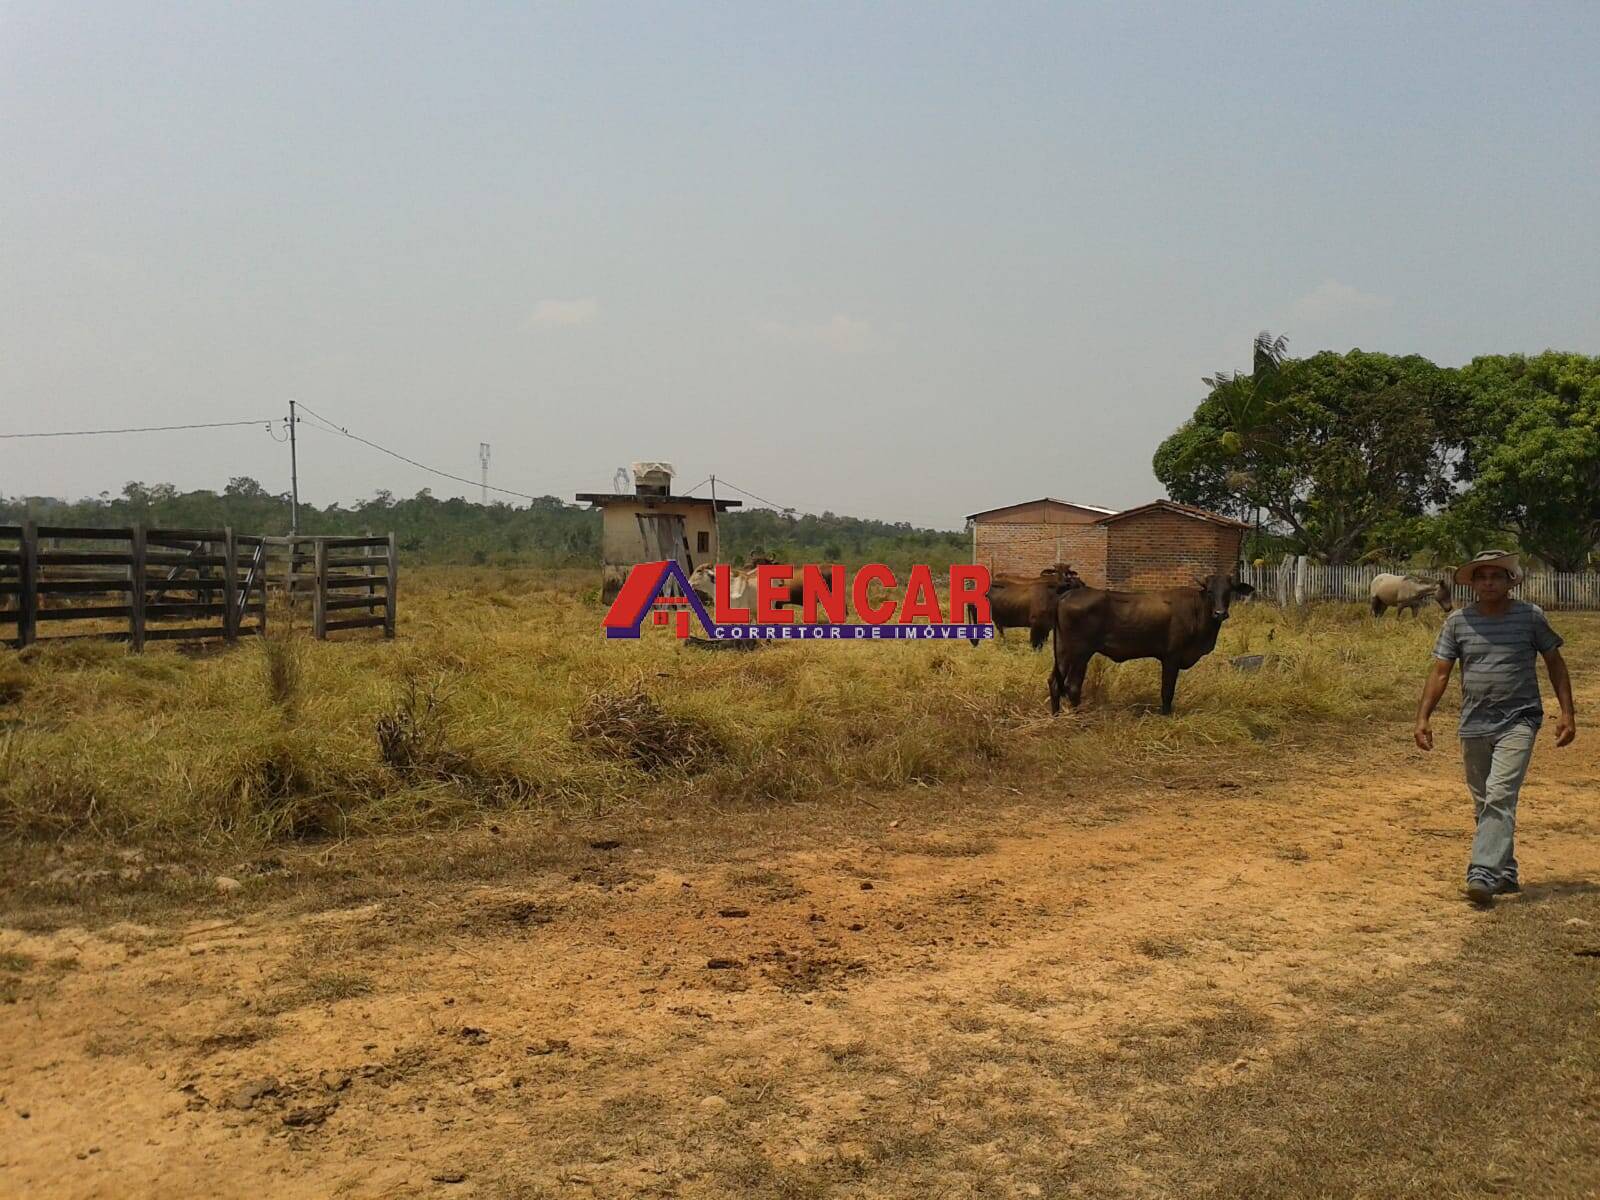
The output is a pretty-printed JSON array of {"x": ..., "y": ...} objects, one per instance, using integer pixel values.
[
  {"x": 1561, "y": 681},
  {"x": 1432, "y": 689}
]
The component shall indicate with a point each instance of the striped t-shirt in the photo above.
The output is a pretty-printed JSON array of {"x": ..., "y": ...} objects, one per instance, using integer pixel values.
[{"x": 1499, "y": 687}]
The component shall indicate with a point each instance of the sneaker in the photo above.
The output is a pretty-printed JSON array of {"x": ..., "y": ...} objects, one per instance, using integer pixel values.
[
  {"x": 1480, "y": 892},
  {"x": 1507, "y": 887}
]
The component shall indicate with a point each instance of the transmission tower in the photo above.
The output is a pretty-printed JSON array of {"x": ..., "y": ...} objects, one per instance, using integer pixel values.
[{"x": 483, "y": 458}]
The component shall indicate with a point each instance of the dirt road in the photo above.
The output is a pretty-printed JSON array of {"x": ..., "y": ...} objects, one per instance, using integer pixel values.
[{"x": 1173, "y": 990}]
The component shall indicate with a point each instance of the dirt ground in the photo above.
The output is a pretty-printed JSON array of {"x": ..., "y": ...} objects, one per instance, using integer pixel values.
[{"x": 1233, "y": 983}]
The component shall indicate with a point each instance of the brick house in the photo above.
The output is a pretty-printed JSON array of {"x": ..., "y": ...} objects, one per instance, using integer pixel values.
[
  {"x": 1164, "y": 544},
  {"x": 1024, "y": 539},
  {"x": 1160, "y": 544}
]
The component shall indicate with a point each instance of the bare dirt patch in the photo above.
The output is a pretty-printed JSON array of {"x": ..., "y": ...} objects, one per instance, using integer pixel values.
[{"x": 1136, "y": 990}]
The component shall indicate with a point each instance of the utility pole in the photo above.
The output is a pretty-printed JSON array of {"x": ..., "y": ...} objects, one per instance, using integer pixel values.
[
  {"x": 294, "y": 477},
  {"x": 716, "y": 526},
  {"x": 483, "y": 458}
]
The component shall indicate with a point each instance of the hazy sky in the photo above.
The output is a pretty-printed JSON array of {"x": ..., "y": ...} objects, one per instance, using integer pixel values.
[{"x": 903, "y": 261}]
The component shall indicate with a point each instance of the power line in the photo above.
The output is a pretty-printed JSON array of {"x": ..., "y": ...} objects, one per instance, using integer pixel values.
[
  {"x": 782, "y": 508},
  {"x": 268, "y": 422},
  {"x": 339, "y": 429},
  {"x": 753, "y": 496},
  {"x": 265, "y": 421}
]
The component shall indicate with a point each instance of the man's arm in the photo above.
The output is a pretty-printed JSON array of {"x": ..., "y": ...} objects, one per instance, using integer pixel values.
[
  {"x": 1567, "y": 724},
  {"x": 1432, "y": 691}
]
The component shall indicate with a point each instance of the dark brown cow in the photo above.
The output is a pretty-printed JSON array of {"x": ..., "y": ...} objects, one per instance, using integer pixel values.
[
  {"x": 1177, "y": 626},
  {"x": 1024, "y": 601}
]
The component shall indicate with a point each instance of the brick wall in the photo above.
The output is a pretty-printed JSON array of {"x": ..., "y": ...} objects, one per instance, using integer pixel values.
[
  {"x": 1028, "y": 548},
  {"x": 1164, "y": 549}
]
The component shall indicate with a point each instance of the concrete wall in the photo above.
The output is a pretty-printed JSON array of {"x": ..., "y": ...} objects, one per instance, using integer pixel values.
[
  {"x": 622, "y": 546},
  {"x": 1165, "y": 549}
]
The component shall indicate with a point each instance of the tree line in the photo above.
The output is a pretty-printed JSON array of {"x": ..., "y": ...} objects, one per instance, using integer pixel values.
[
  {"x": 543, "y": 532},
  {"x": 1365, "y": 456}
]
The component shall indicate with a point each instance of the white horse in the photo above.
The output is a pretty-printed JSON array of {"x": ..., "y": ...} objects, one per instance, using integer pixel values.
[{"x": 1402, "y": 592}]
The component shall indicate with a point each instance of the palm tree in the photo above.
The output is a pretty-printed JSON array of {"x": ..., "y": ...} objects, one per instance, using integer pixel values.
[{"x": 1251, "y": 405}]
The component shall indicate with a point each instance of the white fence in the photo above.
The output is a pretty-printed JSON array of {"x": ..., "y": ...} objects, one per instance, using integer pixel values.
[{"x": 1300, "y": 581}]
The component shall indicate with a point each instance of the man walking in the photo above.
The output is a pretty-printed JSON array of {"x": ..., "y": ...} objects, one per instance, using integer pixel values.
[{"x": 1495, "y": 639}]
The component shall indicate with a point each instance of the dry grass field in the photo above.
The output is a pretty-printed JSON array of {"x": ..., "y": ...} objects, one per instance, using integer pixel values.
[
  {"x": 502, "y": 695},
  {"x": 509, "y": 911}
]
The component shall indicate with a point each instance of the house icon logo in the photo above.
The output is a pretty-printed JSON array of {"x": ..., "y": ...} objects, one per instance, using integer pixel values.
[
  {"x": 661, "y": 591},
  {"x": 642, "y": 596}
]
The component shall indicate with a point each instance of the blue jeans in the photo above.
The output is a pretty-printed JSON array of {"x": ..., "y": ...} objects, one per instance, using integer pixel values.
[{"x": 1495, "y": 766}]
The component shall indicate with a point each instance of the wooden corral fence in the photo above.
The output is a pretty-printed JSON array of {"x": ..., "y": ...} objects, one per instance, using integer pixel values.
[
  {"x": 356, "y": 576},
  {"x": 58, "y": 577},
  {"x": 1298, "y": 581},
  {"x": 156, "y": 583}
]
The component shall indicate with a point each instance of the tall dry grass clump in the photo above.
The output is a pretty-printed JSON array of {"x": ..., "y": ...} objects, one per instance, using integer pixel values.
[
  {"x": 281, "y": 661},
  {"x": 13, "y": 679},
  {"x": 628, "y": 724}
]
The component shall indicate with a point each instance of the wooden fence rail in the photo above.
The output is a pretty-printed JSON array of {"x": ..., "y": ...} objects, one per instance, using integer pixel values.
[
  {"x": 1298, "y": 581},
  {"x": 327, "y": 570},
  {"x": 146, "y": 579}
]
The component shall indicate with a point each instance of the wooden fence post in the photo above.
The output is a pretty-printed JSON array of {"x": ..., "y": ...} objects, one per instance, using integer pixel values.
[
  {"x": 202, "y": 572},
  {"x": 263, "y": 559},
  {"x": 136, "y": 596},
  {"x": 319, "y": 598},
  {"x": 28, "y": 582},
  {"x": 230, "y": 585},
  {"x": 389, "y": 595}
]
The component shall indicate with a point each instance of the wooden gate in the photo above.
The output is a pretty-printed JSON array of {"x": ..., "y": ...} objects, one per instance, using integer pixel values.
[
  {"x": 355, "y": 576},
  {"x": 664, "y": 538}
]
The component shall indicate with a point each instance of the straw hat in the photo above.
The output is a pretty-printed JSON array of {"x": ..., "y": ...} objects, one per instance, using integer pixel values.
[{"x": 1490, "y": 558}]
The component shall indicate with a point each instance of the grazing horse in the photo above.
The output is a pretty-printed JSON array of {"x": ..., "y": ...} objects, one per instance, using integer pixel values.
[{"x": 1401, "y": 592}]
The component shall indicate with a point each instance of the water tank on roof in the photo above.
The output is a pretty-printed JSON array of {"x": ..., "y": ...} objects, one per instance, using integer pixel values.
[{"x": 652, "y": 478}]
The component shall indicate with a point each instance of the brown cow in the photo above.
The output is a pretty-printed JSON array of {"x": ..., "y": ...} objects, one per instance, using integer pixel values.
[
  {"x": 1177, "y": 626},
  {"x": 1018, "y": 601}
]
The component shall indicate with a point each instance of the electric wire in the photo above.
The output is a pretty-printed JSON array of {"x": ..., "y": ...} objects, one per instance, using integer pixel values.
[
  {"x": 341, "y": 430},
  {"x": 267, "y": 421}
]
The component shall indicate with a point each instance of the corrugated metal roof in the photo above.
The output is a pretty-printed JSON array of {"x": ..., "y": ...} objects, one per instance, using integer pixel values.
[
  {"x": 630, "y": 498},
  {"x": 1185, "y": 510},
  {"x": 1041, "y": 500}
]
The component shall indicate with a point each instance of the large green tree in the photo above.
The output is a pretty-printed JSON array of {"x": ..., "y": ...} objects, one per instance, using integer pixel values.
[
  {"x": 1528, "y": 432},
  {"x": 1335, "y": 448}
]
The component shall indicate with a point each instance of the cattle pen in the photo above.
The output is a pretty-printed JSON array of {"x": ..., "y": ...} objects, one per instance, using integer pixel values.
[{"x": 186, "y": 584}]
